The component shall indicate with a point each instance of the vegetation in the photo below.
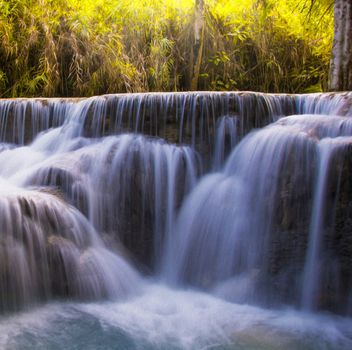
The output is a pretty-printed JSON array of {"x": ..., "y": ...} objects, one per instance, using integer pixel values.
[{"x": 88, "y": 47}]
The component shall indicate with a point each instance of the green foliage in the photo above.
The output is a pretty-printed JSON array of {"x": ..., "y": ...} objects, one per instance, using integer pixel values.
[{"x": 86, "y": 47}]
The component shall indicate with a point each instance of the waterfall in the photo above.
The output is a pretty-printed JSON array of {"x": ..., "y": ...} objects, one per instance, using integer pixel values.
[
  {"x": 225, "y": 139},
  {"x": 225, "y": 226},
  {"x": 243, "y": 195},
  {"x": 178, "y": 117},
  {"x": 242, "y": 232},
  {"x": 314, "y": 266},
  {"x": 49, "y": 249}
]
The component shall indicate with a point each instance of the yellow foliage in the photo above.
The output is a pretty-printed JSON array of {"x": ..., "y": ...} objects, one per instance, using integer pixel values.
[{"x": 85, "y": 47}]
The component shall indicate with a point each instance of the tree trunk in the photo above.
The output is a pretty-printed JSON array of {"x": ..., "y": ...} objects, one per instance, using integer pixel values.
[
  {"x": 197, "y": 50},
  {"x": 341, "y": 61}
]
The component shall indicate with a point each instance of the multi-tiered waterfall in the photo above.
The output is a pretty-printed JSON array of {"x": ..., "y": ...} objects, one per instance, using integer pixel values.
[{"x": 176, "y": 221}]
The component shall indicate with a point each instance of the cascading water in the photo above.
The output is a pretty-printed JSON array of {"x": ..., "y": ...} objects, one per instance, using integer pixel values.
[
  {"x": 227, "y": 237},
  {"x": 313, "y": 267},
  {"x": 225, "y": 139},
  {"x": 199, "y": 201},
  {"x": 224, "y": 228}
]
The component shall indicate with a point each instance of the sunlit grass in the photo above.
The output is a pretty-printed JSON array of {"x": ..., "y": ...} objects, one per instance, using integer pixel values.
[{"x": 72, "y": 47}]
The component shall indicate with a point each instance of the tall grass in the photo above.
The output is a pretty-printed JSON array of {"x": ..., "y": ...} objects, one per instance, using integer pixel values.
[{"x": 88, "y": 47}]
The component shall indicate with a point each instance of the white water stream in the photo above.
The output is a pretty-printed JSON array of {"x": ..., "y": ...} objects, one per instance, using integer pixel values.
[{"x": 125, "y": 241}]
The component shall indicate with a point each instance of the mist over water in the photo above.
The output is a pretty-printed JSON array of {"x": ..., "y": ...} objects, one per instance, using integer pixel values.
[
  {"x": 161, "y": 318},
  {"x": 176, "y": 221}
]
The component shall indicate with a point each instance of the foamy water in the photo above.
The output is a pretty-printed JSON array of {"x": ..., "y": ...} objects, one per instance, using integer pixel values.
[
  {"x": 161, "y": 318},
  {"x": 87, "y": 208}
]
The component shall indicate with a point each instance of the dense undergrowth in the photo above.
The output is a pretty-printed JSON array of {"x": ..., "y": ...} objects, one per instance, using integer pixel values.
[{"x": 88, "y": 47}]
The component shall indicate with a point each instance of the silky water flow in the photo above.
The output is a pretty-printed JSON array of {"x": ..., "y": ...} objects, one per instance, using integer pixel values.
[{"x": 176, "y": 221}]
